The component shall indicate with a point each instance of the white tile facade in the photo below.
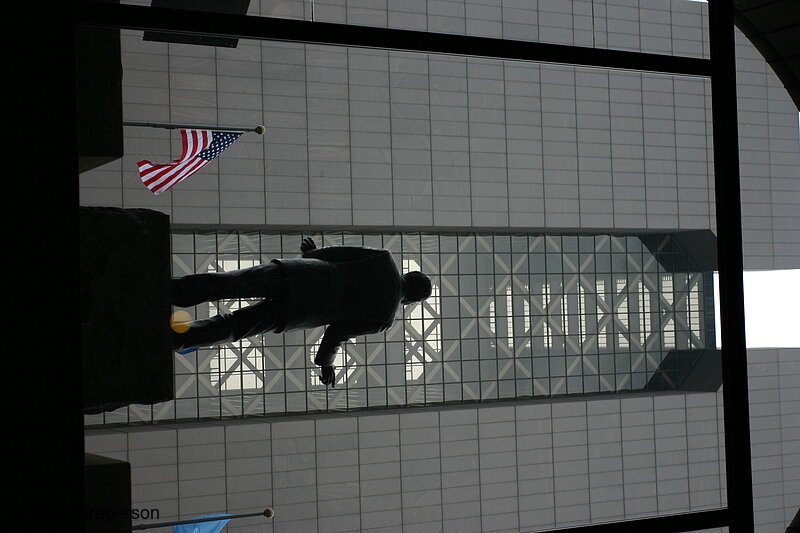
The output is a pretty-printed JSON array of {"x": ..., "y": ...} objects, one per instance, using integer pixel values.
[
  {"x": 362, "y": 138},
  {"x": 494, "y": 467}
]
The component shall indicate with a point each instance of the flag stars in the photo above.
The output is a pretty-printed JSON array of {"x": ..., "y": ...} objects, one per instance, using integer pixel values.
[{"x": 219, "y": 142}]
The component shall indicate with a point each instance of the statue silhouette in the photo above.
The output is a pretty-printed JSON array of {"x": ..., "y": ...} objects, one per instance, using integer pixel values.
[{"x": 352, "y": 290}]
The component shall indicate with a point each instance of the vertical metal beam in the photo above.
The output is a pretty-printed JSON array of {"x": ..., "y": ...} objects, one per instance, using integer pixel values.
[{"x": 729, "y": 240}]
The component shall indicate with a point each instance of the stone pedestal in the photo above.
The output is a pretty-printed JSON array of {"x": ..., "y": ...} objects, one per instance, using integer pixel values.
[{"x": 125, "y": 308}]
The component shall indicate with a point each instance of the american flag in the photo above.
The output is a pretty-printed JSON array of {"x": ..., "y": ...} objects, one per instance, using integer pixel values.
[{"x": 200, "y": 147}]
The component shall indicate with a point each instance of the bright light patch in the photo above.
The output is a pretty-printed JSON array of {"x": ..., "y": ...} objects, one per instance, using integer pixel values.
[{"x": 770, "y": 308}]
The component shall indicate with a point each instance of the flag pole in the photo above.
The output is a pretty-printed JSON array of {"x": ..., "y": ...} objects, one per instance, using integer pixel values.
[
  {"x": 266, "y": 512},
  {"x": 258, "y": 129}
]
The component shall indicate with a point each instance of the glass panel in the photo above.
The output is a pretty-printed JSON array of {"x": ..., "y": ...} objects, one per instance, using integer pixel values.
[{"x": 572, "y": 331}]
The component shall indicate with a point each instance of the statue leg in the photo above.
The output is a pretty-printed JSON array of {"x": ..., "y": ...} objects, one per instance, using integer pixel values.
[
  {"x": 251, "y": 320},
  {"x": 260, "y": 281}
]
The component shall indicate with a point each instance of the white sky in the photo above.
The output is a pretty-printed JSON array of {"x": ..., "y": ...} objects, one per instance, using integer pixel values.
[{"x": 771, "y": 308}]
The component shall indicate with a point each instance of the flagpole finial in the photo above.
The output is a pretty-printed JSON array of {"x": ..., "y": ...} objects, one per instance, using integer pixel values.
[{"x": 260, "y": 130}]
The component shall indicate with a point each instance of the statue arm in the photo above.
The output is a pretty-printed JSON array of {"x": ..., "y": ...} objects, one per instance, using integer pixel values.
[{"x": 337, "y": 334}]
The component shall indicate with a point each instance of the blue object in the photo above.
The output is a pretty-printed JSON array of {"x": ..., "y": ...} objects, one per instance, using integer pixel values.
[
  {"x": 214, "y": 526},
  {"x": 190, "y": 350}
]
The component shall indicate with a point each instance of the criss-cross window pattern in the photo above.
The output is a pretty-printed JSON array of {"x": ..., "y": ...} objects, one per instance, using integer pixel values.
[{"x": 510, "y": 317}]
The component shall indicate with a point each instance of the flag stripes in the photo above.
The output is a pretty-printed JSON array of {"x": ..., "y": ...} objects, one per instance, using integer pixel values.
[{"x": 200, "y": 147}]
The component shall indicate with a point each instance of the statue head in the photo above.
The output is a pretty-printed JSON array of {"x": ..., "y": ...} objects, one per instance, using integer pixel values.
[{"x": 416, "y": 287}]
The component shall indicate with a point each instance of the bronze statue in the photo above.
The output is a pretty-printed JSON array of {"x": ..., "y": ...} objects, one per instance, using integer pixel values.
[{"x": 352, "y": 290}]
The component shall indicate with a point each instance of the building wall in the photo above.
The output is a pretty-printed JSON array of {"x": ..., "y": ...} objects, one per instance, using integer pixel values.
[
  {"x": 377, "y": 139},
  {"x": 775, "y": 436},
  {"x": 490, "y": 467},
  {"x": 769, "y": 164}
]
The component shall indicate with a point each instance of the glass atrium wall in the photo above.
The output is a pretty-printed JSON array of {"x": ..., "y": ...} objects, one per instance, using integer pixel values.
[{"x": 510, "y": 317}]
